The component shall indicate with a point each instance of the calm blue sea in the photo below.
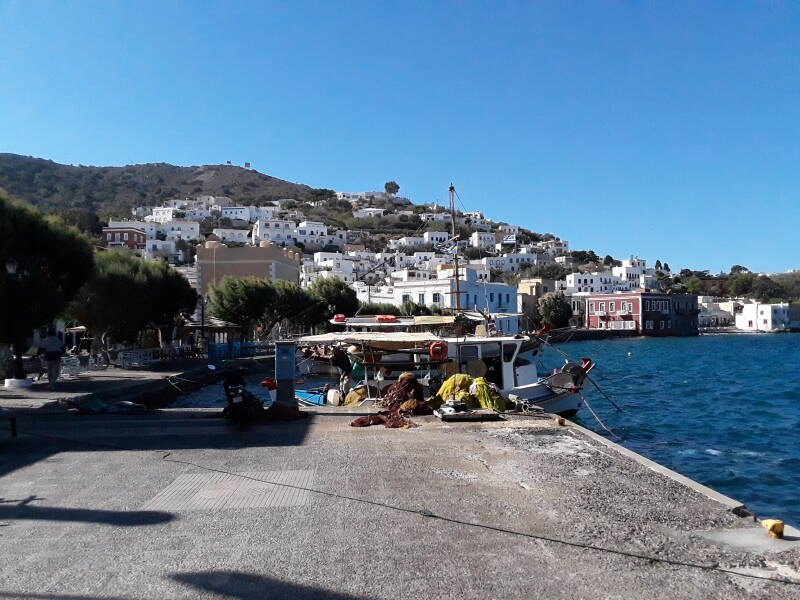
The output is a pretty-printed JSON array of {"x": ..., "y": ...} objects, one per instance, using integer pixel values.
[{"x": 721, "y": 409}]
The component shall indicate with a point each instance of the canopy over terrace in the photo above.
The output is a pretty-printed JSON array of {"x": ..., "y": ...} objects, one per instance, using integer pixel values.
[{"x": 375, "y": 339}]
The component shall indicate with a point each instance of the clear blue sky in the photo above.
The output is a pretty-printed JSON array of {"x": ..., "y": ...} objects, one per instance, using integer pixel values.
[{"x": 666, "y": 129}]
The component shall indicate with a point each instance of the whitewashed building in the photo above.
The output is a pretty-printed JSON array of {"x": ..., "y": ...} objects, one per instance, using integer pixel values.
[
  {"x": 366, "y": 213},
  {"x": 435, "y": 237},
  {"x": 232, "y": 235},
  {"x": 480, "y": 239},
  {"x": 277, "y": 231},
  {"x": 763, "y": 317},
  {"x": 180, "y": 230}
]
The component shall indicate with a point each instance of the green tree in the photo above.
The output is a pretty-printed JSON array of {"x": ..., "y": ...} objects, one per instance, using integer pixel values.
[
  {"x": 333, "y": 296},
  {"x": 740, "y": 285},
  {"x": 765, "y": 289},
  {"x": 289, "y": 303},
  {"x": 391, "y": 187},
  {"x": 378, "y": 308},
  {"x": 608, "y": 260},
  {"x": 412, "y": 309},
  {"x": 658, "y": 266},
  {"x": 50, "y": 262},
  {"x": 666, "y": 268},
  {"x": 555, "y": 310},
  {"x": 739, "y": 269},
  {"x": 126, "y": 295},
  {"x": 694, "y": 285},
  {"x": 240, "y": 300}
]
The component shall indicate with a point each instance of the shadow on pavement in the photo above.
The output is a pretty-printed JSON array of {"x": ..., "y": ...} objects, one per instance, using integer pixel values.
[
  {"x": 84, "y": 515},
  {"x": 247, "y": 586},
  {"x": 40, "y": 437},
  {"x": 44, "y": 596}
]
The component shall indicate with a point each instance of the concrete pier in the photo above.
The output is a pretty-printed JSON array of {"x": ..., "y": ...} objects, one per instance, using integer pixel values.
[{"x": 175, "y": 505}]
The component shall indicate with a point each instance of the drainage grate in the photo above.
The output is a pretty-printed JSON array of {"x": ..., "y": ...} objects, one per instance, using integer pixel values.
[{"x": 198, "y": 491}]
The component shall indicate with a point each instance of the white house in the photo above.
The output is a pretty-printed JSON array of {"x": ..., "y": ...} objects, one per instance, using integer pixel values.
[
  {"x": 197, "y": 214},
  {"x": 180, "y": 230},
  {"x": 480, "y": 239},
  {"x": 491, "y": 297},
  {"x": 366, "y": 213},
  {"x": 232, "y": 235},
  {"x": 241, "y": 213},
  {"x": 763, "y": 317},
  {"x": 277, "y": 231},
  {"x": 161, "y": 250},
  {"x": 554, "y": 247},
  {"x": 406, "y": 242},
  {"x": 508, "y": 229},
  {"x": 163, "y": 214},
  {"x": 313, "y": 232},
  {"x": 435, "y": 237}
]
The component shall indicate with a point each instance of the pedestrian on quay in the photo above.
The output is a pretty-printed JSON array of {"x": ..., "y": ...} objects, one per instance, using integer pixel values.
[{"x": 53, "y": 348}]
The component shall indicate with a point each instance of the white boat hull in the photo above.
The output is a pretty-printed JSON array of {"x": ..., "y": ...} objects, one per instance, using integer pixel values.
[{"x": 565, "y": 404}]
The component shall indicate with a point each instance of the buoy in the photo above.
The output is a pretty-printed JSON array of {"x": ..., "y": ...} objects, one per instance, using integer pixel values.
[
  {"x": 630, "y": 354},
  {"x": 561, "y": 421},
  {"x": 774, "y": 526}
]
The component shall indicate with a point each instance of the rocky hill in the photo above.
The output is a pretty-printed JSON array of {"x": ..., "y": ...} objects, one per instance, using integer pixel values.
[{"x": 113, "y": 191}]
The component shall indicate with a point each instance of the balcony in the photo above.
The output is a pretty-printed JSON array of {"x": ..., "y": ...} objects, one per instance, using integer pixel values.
[
  {"x": 600, "y": 313},
  {"x": 623, "y": 313}
]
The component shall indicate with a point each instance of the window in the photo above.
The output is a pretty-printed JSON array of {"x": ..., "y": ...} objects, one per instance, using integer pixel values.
[
  {"x": 491, "y": 296},
  {"x": 508, "y": 298},
  {"x": 406, "y": 298},
  {"x": 422, "y": 298},
  {"x": 437, "y": 297},
  {"x": 591, "y": 307},
  {"x": 603, "y": 306},
  {"x": 611, "y": 306}
]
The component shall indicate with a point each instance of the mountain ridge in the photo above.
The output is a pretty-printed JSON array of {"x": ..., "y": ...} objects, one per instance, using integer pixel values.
[{"x": 114, "y": 190}]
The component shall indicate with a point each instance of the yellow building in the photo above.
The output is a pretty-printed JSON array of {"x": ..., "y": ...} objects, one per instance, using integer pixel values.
[{"x": 215, "y": 260}]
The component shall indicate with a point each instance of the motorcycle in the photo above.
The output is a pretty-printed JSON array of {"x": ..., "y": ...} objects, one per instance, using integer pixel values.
[{"x": 243, "y": 407}]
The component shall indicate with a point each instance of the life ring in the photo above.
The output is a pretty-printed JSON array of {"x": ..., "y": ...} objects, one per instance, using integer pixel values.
[{"x": 438, "y": 350}]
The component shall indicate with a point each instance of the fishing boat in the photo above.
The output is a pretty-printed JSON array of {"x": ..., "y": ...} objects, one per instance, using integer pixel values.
[{"x": 433, "y": 358}]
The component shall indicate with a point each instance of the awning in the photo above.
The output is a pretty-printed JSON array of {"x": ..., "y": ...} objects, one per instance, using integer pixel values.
[
  {"x": 434, "y": 320},
  {"x": 371, "y": 338}
]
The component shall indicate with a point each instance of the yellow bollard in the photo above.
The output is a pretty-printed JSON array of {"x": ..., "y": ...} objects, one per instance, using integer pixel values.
[{"x": 774, "y": 526}]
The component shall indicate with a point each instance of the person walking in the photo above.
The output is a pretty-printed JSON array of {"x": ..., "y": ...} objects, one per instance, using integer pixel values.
[{"x": 53, "y": 348}]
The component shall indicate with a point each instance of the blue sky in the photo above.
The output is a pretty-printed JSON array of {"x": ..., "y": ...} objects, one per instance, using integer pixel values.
[{"x": 665, "y": 129}]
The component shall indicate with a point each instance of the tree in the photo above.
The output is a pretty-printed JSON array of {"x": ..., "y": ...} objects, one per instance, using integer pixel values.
[
  {"x": 764, "y": 289},
  {"x": 378, "y": 308},
  {"x": 554, "y": 310},
  {"x": 658, "y": 266},
  {"x": 739, "y": 269},
  {"x": 290, "y": 303},
  {"x": 412, "y": 309},
  {"x": 694, "y": 285},
  {"x": 126, "y": 295},
  {"x": 608, "y": 260},
  {"x": 50, "y": 262},
  {"x": 333, "y": 296},
  {"x": 240, "y": 300},
  {"x": 740, "y": 285},
  {"x": 391, "y": 187},
  {"x": 666, "y": 268}
]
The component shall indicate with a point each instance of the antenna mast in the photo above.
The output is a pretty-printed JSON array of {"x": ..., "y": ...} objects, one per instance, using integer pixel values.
[{"x": 452, "y": 192}]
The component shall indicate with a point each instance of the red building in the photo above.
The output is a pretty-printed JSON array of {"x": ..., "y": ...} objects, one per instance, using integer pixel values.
[
  {"x": 645, "y": 312},
  {"x": 124, "y": 237}
]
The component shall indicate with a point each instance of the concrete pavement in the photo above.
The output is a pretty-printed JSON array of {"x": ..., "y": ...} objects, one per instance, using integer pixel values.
[{"x": 150, "y": 507}]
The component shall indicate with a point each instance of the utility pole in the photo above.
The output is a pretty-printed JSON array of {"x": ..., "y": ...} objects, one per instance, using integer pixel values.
[{"x": 452, "y": 192}]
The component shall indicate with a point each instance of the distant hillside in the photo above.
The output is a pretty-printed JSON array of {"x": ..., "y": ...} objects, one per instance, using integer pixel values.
[{"x": 113, "y": 191}]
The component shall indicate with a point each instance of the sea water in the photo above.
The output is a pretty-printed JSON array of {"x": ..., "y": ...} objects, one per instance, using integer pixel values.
[{"x": 721, "y": 409}]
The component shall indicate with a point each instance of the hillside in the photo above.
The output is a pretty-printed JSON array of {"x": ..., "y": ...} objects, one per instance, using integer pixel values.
[{"x": 113, "y": 191}]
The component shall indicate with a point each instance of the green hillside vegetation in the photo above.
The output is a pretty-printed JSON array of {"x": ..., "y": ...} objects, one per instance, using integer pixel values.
[{"x": 54, "y": 188}]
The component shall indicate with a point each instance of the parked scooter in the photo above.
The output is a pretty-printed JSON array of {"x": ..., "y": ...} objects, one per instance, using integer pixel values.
[{"x": 243, "y": 407}]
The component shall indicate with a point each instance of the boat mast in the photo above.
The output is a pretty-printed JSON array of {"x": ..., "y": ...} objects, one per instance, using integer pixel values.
[{"x": 452, "y": 192}]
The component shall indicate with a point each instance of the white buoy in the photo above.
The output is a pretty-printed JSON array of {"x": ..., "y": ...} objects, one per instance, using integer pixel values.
[{"x": 630, "y": 354}]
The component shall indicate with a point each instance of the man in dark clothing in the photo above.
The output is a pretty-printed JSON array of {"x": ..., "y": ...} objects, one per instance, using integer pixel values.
[{"x": 340, "y": 359}]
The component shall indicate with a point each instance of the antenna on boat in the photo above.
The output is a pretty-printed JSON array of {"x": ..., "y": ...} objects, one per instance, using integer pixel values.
[{"x": 452, "y": 193}]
